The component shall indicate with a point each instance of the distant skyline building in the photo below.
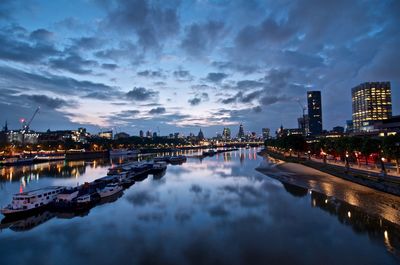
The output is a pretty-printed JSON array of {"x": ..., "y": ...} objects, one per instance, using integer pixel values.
[
  {"x": 314, "y": 112},
  {"x": 265, "y": 133},
  {"x": 200, "y": 136},
  {"x": 141, "y": 134},
  {"x": 241, "y": 132},
  {"x": 303, "y": 124},
  {"x": 371, "y": 102},
  {"x": 226, "y": 134}
]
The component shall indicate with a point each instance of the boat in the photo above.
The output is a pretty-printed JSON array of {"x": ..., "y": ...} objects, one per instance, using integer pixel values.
[
  {"x": 124, "y": 152},
  {"x": 29, "y": 202},
  {"x": 87, "y": 200},
  {"x": 109, "y": 190},
  {"x": 161, "y": 159},
  {"x": 67, "y": 198},
  {"x": 15, "y": 161}
]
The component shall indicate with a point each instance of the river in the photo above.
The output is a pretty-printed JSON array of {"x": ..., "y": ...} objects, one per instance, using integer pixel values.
[{"x": 216, "y": 210}]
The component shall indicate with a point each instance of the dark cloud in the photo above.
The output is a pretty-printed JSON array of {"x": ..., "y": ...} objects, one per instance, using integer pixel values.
[
  {"x": 87, "y": 43},
  {"x": 216, "y": 77},
  {"x": 74, "y": 63},
  {"x": 151, "y": 23},
  {"x": 42, "y": 35},
  {"x": 15, "y": 47},
  {"x": 141, "y": 94},
  {"x": 51, "y": 103},
  {"x": 198, "y": 98},
  {"x": 158, "y": 110},
  {"x": 25, "y": 81},
  {"x": 201, "y": 38},
  {"x": 194, "y": 101},
  {"x": 151, "y": 74},
  {"x": 248, "y": 68},
  {"x": 123, "y": 51},
  {"x": 109, "y": 66},
  {"x": 182, "y": 75},
  {"x": 268, "y": 31}
]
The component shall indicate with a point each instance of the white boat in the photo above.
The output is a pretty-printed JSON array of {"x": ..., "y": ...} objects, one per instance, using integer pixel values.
[
  {"x": 109, "y": 190},
  {"x": 31, "y": 201},
  {"x": 67, "y": 196},
  {"x": 87, "y": 200}
]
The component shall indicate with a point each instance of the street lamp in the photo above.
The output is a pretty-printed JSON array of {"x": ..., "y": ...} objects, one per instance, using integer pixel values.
[
  {"x": 347, "y": 161},
  {"x": 383, "y": 170}
]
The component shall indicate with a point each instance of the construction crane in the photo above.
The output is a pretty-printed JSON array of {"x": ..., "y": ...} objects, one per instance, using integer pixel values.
[
  {"x": 25, "y": 126},
  {"x": 303, "y": 108}
]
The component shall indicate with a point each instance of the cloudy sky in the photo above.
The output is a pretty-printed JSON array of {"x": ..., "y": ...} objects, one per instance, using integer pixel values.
[{"x": 173, "y": 66}]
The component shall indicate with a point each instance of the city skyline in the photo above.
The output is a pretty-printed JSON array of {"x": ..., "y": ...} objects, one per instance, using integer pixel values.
[{"x": 182, "y": 65}]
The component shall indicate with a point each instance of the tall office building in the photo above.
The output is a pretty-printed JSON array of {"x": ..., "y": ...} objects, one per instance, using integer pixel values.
[
  {"x": 372, "y": 102},
  {"x": 226, "y": 134},
  {"x": 241, "y": 131},
  {"x": 314, "y": 112},
  {"x": 265, "y": 133}
]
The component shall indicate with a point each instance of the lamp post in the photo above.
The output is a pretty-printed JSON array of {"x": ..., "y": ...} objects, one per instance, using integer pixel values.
[
  {"x": 347, "y": 162},
  {"x": 383, "y": 170}
]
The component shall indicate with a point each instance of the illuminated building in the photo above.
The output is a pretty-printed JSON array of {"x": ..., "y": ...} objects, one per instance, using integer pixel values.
[
  {"x": 226, "y": 134},
  {"x": 200, "y": 136},
  {"x": 303, "y": 124},
  {"x": 265, "y": 133},
  {"x": 106, "y": 135},
  {"x": 241, "y": 132},
  {"x": 314, "y": 112},
  {"x": 371, "y": 102}
]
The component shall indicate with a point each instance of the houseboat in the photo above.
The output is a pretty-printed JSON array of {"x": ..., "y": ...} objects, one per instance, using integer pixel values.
[{"x": 29, "y": 202}]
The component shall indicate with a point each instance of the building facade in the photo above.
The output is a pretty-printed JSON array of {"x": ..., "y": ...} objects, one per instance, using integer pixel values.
[
  {"x": 265, "y": 133},
  {"x": 314, "y": 104},
  {"x": 303, "y": 124},
  {"x": 371, "y": 102},
  {"x": 226, "y": 134},
  {"x": 241, "y": 132}
]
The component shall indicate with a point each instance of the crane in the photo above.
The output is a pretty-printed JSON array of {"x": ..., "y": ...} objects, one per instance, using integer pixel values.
[
  {"x": 303, "y": 108},
  {"x": 25, "y": 126}
]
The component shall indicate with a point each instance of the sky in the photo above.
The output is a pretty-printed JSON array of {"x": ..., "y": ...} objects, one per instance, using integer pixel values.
[{"x": 178, "y": 66}]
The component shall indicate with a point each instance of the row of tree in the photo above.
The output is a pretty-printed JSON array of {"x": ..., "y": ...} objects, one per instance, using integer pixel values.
[{"x": 347, "y": 148}]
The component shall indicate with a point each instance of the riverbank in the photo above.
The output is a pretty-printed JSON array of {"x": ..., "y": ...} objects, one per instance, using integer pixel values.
[
  {"x": 388, "y": 184},
  {"x": 384, "y": 205}
]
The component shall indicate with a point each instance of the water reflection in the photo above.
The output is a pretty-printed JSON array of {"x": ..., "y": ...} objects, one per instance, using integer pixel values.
[{"x": 218, "y": 210}]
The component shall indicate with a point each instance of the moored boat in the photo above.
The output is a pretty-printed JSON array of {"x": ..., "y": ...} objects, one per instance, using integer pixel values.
[
  {"x": 109, "y": 190},
  {"x": 29, "y": 202}
]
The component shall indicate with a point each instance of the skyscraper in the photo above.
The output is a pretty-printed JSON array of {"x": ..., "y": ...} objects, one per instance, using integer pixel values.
[
  {"x": 265, "y": 133},
  {"x": 226, "y": 134},
  {"x": 241, "y": 131},
  {"x": 371, "y": 102},
  {"x": 314, "y": 112},
  {"x": 200, "y": 136}
]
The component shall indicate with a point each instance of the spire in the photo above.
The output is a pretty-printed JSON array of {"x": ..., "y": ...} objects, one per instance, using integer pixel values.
[{"x": 5, "y": 127}]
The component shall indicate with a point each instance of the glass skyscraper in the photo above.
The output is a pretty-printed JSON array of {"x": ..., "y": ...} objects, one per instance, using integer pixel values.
[{"x": 314, "y": 112}]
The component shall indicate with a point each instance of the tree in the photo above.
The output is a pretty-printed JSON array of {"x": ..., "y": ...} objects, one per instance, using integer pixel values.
[
  {"x": 370, "y": 146},
  {"x": 391, "y": 149}
]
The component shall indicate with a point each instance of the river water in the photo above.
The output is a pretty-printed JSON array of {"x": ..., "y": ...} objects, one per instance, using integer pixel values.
[{"x": 218, "y": 210}]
